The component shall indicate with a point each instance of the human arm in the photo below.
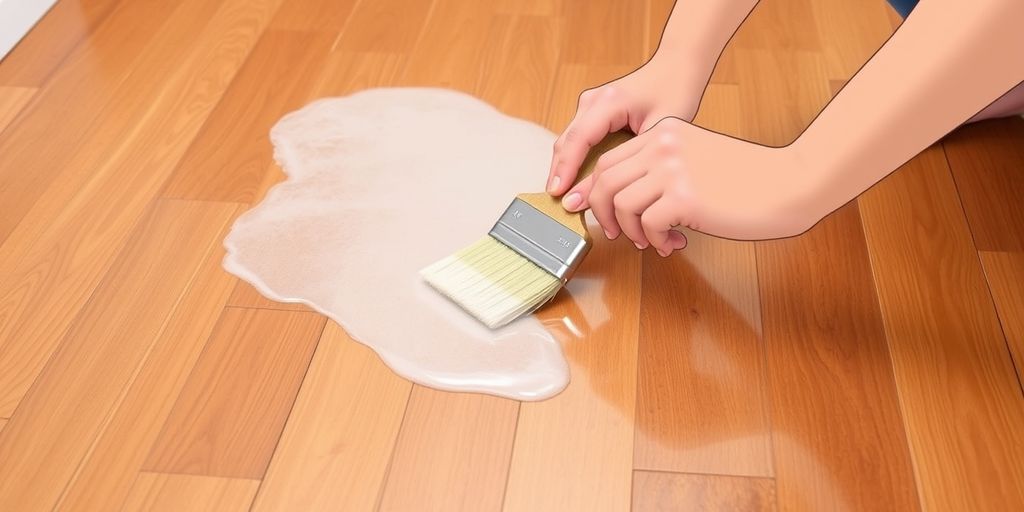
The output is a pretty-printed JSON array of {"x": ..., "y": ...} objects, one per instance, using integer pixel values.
[
  {"x": 948, "y": 60},
  {"x": 671, "y": 83}
]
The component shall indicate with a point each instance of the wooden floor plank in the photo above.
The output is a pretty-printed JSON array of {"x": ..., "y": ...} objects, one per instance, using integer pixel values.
[
  {"x": 59, "y": 419},
  {"x": 442, "y": 57},
  {"x": 961, "y": 401},
  {"x": 12, "y": 101},
  {"x": 701, "y": 405},
  {"x": 836, "y": 426},
  {"x": 837, "y": 434},
  {"x": 161, "y": 492},
  {"x": 232, "y": 152},
  {"x": 987, "y": 159},
  {"x": 334, "y": 451},
  {"x": 555, "y": 465},
  {"x": 850, "y": 33},
  {"x": 515, "y": 78},
  {"x": 452, "y": 454},
  {"x": 105, "y": 477},
  {"x": 122, "y": 90},
  {"x": 346, "y": 419},
  {"x": 313, "y": 15},
  {"x": 454, "y": 449},
  {"x": 660, "y": 491},
  {"x": 52, "y": 261},
  {"x": 385, "y": 26},
  {"x": 230, "y": 414},
  {"x": 83, "y": 88},
  {"x": 50, "y": 41},
  {"x": 780, "y": 93},
  {"x": 245, "y": 296},
  {"x": 603, "y": 32},
  {"x": 1004, "y": 272},
  {"x": 781, "y": 26}
]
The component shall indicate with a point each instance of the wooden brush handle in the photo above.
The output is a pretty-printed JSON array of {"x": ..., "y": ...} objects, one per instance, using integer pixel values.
[{"x": 552, "y": 206}]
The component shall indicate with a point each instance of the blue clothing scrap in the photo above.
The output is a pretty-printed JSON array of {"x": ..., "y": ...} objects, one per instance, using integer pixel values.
[{"x": 903, "y": 6}]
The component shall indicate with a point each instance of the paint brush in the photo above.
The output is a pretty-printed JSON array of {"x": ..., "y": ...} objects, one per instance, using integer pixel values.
[{"x": 529, "y": 254}]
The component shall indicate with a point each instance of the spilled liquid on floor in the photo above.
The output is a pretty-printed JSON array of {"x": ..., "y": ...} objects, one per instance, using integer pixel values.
[{"x": 380, "y": 184}]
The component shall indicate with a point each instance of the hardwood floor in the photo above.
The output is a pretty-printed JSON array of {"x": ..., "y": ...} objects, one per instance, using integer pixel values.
[{"x": 874, "y": 363}]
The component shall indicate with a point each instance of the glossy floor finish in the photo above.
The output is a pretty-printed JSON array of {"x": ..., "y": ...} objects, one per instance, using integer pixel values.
[{"x": 871, "y": 364}]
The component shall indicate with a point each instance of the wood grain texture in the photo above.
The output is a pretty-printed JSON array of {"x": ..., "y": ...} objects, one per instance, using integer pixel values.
[
  {"x": 452, "y": 453},
  {"x": 443, "y": 57},
  {"x": 385, "y": 26},
  {"x": 245, "y": 296},
  {"x": 557, "y": 464},
  {"x": 12, "y": 101},
  {"x": 343, "y": 72},
  {"x": 837, "y": 434},
  {"x": 850, "y": 32},
  {"x": 233, "y": 151},
  {"x": 50, "y": 41},
  {"x": 161, "y": 492},
  {"x": 837, "y": 431},
  {"x": 105, "y": 476},
  {"x": 1004, "y": 272},
  {"x": 313, "y": 15},
  {"x": 53, "y": 260},
  {"x": 454, "y": 449},
  {"x": 781, "y": 26},
  {"x": 603, "y": 32},
  {"x": 83, "y": 88},
  {"x": 84, "y": 381},
  {"x": 110, "y": 293},
  {"x": 987, "y": 159},
  {"x": 701, "y": 403},
  {"x": 517, "y": 78},
  {"x": 664, "y": 492},
  {"x": 961, "y": 400},
  {"x": 230, "y": 414},
  {"x": 334, "y": 452},
  {"x": 781, "y": 92},
  {"x": 720, "y": 109}
]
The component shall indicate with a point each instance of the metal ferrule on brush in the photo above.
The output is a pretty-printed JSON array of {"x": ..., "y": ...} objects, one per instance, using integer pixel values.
[{"x": 540, "y": 239}]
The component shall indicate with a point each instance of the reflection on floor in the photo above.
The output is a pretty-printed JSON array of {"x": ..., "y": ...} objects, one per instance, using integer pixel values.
[{"x": 871, "y": 364}]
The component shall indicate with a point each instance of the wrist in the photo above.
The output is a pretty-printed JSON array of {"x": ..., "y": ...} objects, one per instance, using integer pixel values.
[{"x": 685, "y": 63}]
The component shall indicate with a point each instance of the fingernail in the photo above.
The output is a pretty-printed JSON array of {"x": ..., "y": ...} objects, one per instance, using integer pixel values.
[
  {"x": 608, "y": 234},
  {"x": 638, "y": 246},
  {"x": 572, "y": 201},
  {"x": 554, "y": 184}
]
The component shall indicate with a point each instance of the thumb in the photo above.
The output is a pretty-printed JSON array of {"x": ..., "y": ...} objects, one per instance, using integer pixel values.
[{"x": 581, "y": 135}]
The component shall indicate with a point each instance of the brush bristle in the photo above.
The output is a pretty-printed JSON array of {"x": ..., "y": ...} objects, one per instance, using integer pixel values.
[{"x": 492, "y": 282}]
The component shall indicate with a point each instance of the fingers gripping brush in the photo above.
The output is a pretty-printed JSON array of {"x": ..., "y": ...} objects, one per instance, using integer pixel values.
[{"x": 529, "y": 254}]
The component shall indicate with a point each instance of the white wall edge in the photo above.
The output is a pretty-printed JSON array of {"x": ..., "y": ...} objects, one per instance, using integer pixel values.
[{"x": 17, "y": 17}]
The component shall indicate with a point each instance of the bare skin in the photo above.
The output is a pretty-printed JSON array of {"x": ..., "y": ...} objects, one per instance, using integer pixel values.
[{"x": 677, "y": 174}]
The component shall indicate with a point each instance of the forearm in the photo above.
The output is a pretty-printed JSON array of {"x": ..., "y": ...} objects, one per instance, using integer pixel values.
[
  {"x": 947, "y": 61},
  {"x": 697, "y": 32}
]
